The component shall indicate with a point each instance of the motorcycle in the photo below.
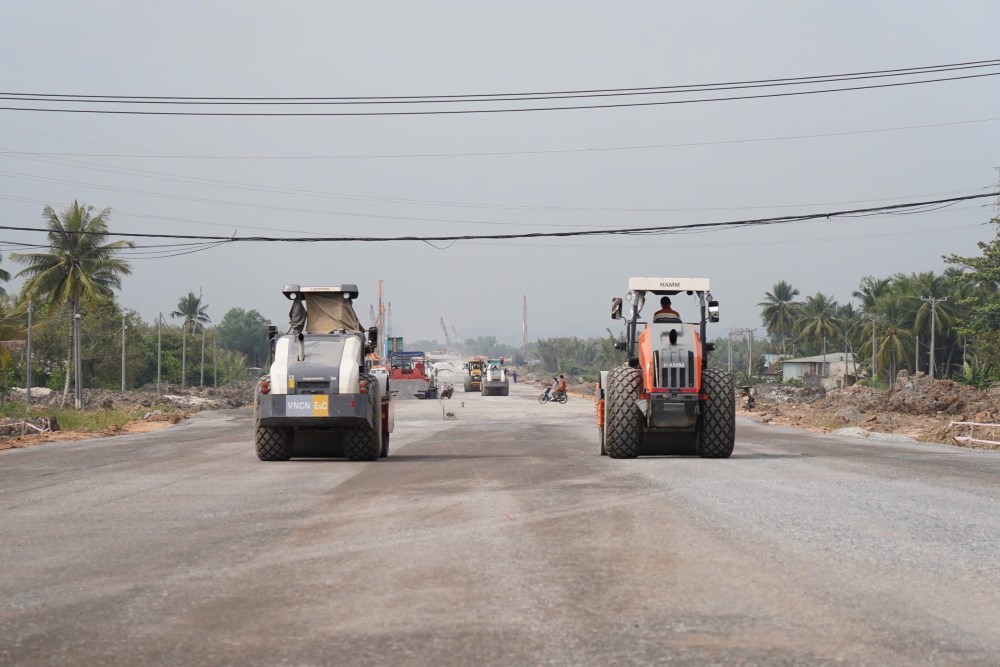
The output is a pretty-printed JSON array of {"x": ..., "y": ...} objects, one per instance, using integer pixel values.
[
  {"x": 558, "y": 397},
  {"x": 746, "y": 399},
  {"x": 447, "y": 391}
]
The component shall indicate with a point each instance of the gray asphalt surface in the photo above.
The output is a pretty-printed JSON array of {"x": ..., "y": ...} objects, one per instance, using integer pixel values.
[{"x": 498, "y": 538}]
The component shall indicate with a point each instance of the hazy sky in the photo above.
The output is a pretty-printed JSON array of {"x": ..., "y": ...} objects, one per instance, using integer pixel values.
[{"x": 416, "y": 48}]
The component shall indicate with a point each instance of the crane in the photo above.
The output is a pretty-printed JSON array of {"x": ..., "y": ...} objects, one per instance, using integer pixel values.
[{"x": 447, "y": 340}]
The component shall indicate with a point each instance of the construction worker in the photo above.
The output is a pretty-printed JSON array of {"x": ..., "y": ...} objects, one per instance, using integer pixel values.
[{"x": 666, "y": 313}]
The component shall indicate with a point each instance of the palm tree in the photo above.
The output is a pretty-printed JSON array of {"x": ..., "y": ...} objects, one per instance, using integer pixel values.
[
  {"x": 895, "y": 343},
  {"x": 817, "y": 320},
  {"x": 870, "y": 290},
  {"x": 4, "y": 277},
  {"x": 191, "y": 309},
  {"x": 80, "y": 266},
  {"x": 778, "y": 312}
]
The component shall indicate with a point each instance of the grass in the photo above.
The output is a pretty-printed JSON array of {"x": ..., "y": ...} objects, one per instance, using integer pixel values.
[{"x": 87, "y": 421}]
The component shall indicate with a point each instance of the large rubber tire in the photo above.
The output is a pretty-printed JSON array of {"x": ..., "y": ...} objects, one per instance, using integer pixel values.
[
  {"x": 271, "y": 444},
  {"x": 624, "y": 424},
  {"x": 717, "y": 426},
  {"x": 364, "y": 443}
]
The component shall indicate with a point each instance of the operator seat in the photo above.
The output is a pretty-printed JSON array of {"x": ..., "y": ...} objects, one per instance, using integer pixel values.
[{"x": 667, "y": 319}]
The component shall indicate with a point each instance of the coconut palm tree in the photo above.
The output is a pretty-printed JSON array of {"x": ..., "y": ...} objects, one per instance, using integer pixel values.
[
  {"x": 817, "y": 320},
  {"x": 895, "y": 343},
  {"x": 778, "y": 311},
  {"x": 192, "y": 310},
  {"x": 4, "y": 277},
  {"x": 79, "y": 267},
  {"x": 870, "y": 290},
  {"x": 916, "y": 289}
]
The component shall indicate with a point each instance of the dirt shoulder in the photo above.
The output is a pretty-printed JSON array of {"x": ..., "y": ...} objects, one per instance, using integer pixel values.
[
  {"x": 109, "y": 413},
  {"x": 915, "y": 406}
]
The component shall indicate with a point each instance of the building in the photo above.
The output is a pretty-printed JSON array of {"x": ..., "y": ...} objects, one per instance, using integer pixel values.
[{"x": 830, "y": 371}]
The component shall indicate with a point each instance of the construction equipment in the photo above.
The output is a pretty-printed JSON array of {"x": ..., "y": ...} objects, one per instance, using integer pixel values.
[
  {"x": 408, "y": 374},
  {"x": 665, "y": 398},
  {"x": 320, "y": 383},
  {"x": 447, "y": 338},
  {"x": 494, "y": 378},
  {"x": 474, "y": 380}
]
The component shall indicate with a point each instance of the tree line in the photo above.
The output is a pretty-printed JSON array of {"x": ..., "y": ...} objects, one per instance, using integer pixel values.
[
  {"x": 902, "y": 321},
  {"x": 76, "y": 275}
]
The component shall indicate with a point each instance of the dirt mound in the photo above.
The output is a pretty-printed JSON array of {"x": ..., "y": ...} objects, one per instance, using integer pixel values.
[
  {"x": 915, "y": 405},
  {"x": 920, "y": 395}
]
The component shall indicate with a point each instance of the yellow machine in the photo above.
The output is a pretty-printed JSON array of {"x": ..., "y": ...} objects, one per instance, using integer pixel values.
[{"x": 474, "y": 380}]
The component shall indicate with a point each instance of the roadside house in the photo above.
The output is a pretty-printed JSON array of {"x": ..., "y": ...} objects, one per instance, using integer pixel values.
[{"x": 829, "y": 371}]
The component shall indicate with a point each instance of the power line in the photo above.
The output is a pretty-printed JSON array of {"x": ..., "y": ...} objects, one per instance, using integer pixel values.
[
  {"x": 704, "y": 226},
  {"x": 438, "y": 112},
  {"x": 182, "y": 178},
  {"x": 549, "y": 151},
  {"x": 465, "y": 99},
  {"x": 723, "y": 85}
]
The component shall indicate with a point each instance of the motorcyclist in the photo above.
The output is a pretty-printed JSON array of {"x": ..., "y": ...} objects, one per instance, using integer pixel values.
[
  {"x": 561, "y": 387},
  {"x": 551, "y": 389}
]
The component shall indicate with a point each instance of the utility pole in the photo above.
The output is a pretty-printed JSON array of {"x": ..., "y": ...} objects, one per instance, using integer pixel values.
[
  {"x": 748, "y": 333},
  {"x": 184, "y": 355},
  {"x": 844, "y": 386},
  {"x": 934, "y": 301},
  {"x": 916, "y": 355},
  {"x": 729, "y": 347},
  {"x": 124, "y": 326},
  {"x": 215, "y": 365},
  {"x": 524, "y": 327},
  {"x": 159, "y": 348},
  {"x": 873, "y": 317},
  {"x": 202, "y": 381},
  {"x": 380, "y": 323},
  {"x": 78, "y": 383},
  {"x": 27, "y": 366}
]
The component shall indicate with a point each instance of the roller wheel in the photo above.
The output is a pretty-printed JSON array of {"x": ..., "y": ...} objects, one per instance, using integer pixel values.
[
  {"x": 623, "y": 437},
  {"x": 271, "y": 443},
  {"x": 717, "y": 426},
  {"x": 364, "y": 443}
]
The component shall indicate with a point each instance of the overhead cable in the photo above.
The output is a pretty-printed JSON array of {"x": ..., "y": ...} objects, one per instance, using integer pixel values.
[
  {"x": 632, "y": 231},
  {"x": 540, "y": 151},
  {"x": 488, "y": 110},
  {"x": 547, "y": 94}
]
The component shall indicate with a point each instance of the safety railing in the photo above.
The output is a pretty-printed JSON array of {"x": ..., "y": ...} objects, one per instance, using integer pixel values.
[
  {"x": 21, "y": 427},
  {"x": 972, "y": 437}
]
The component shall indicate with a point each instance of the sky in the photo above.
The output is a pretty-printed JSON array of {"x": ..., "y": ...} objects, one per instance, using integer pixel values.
[{"x": 480, "y": 174}]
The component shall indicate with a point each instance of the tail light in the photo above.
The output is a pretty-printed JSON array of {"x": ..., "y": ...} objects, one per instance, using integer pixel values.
[
  {"x": 363, "y": 385},
  {"x": 265, "y": 387}
]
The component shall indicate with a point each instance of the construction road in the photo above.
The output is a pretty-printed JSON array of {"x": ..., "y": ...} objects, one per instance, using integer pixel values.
[{"x": 497, "y": 538}]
